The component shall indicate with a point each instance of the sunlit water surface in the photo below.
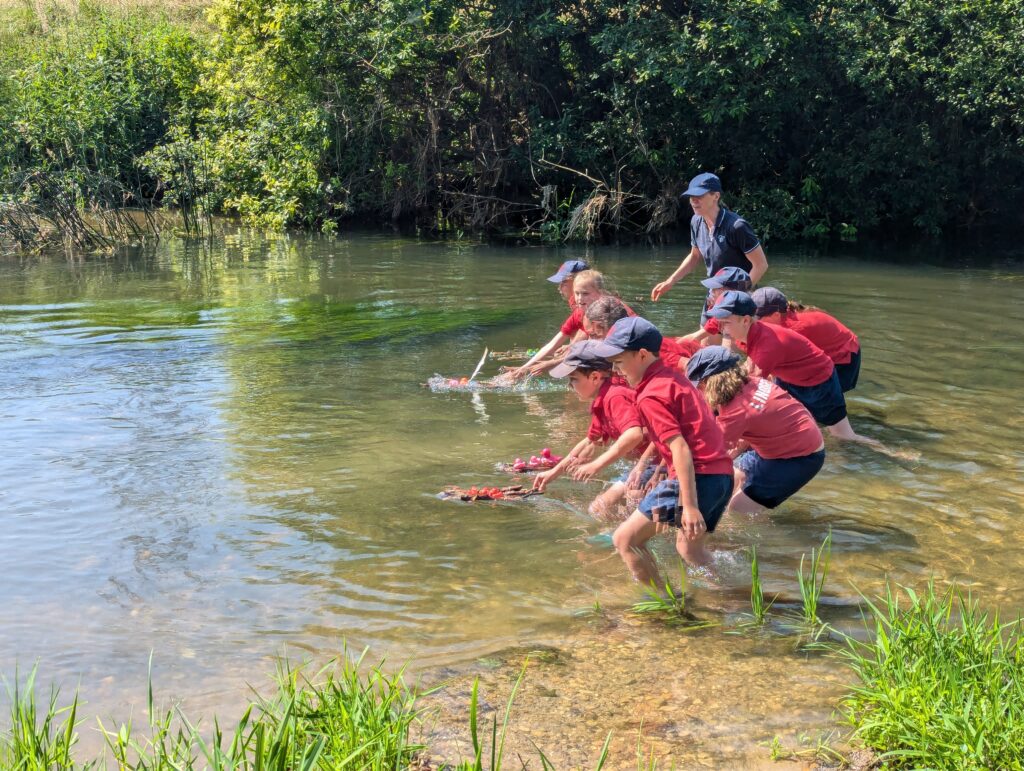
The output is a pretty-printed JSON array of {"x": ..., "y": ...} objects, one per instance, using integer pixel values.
[{"x": 225, "y": 456}]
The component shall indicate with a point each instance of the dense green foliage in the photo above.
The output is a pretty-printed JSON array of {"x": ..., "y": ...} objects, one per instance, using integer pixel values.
[
  {"x": 941, "y": 685},
  {"x": 555, "y": 117}
]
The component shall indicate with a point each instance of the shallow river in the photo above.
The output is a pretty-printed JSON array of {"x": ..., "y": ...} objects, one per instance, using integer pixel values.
[{"x": 225, "y": 456}]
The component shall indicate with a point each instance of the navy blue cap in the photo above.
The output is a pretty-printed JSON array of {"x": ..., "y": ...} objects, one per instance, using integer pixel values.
[
  {"x": 581, "y": 354},
  {"x": 729, "y": 278},
  {"x": 769, "y": 300},
  {"x": 738, "y": 303},
  {"x": 710, "y": 361},
  {"x": 629, "y": 334},
  {"x": 704, "y": 183},
  {"x": 568, "y": 268}
]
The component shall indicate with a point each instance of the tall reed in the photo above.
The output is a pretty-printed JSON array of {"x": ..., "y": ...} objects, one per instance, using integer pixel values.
[
  {"x": 758, "y": 606},
  {"x": 812, "y": 583}
]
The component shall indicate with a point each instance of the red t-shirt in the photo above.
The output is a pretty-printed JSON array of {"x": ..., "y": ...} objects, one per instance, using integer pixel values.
[
  {"x": 825, "y": 331},
  {"x": 670, "y": 406},
  {"x": 673, "y": 349},
  {"x": 613, "y": 412},
  {"x": 771, "y": 421},
  {"x": 574, "y": 323},
  {"x": 787, "y": 355}
]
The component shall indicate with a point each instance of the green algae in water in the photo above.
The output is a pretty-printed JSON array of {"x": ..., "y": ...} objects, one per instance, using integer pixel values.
[{"x": 309, "y": 320}]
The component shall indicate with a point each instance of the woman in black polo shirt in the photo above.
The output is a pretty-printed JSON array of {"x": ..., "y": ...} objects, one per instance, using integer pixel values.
[{"x": 718, "y": 236}]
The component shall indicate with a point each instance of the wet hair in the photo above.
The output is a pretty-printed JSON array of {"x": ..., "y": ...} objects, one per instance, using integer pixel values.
[
  {"x": 593, "y": 277},
  {"x": 606, "y": 311},
  {"x": 722, "y": 388}
]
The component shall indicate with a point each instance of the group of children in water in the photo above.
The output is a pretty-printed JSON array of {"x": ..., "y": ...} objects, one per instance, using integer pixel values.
[{"x": 723, "y": 418}]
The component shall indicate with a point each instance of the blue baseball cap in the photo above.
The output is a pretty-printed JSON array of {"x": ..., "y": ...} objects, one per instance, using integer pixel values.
[
  {"x": 629, "y": 334},
  {"x": 581, "y": 354},
  {"x": 568, "y": 268},
  {"x": 729, "y": 278},
  {"x": 710, "y": 361},
  {"x": 732, "y": 302},
  {"x": 704, "y": 183},
  {"x": 769, "y": 300}
]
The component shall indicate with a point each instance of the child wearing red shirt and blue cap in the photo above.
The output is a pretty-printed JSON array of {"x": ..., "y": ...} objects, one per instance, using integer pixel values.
[
  {"x": 774, "y": 440},
  {"x": 615, "y": 422},
  {"x": 822, "y": 329},
  {"x": 680, "y": 424},
  {"x": 797, "y": 364}
]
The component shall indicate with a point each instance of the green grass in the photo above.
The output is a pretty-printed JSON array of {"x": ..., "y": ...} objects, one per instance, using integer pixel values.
[
  {"x": 812, "y": 583},
  {"x": 671, "y": 605},
  {"x": 37, "y": 740},
  {"x": 941, "y": 685},
  {"x": 346, "y": 715},
  {"x": 758, "y": 606}
]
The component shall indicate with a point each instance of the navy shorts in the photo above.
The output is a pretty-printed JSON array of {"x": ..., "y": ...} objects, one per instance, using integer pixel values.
[
  {"x": 849, "y": 372},
  {"x": 824, "y": 401},
  {"x": 713, "y": 494},
  {"x": 644, "y": 478},
  {"x": 770, "y": 481}
]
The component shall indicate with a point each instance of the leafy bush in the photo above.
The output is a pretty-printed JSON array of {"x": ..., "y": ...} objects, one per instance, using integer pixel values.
[{"x": 551, "y": 117}]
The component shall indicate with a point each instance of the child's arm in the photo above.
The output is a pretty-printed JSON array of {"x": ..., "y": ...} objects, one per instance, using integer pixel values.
[
  {"x": 543, "y": 353},
  {"x": 629, "y": 439},
  {"x": 544, "y": 478},
  {"x": 692, "y": 522},
  {"x": 633, "y": 480},
  {"x": 699, "y": 336}
]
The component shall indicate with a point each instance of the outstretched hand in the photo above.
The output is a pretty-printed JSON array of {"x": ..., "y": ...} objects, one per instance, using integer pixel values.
[
  {"x": 585, "y": 472},
  {"x": 660, "y": 289}
]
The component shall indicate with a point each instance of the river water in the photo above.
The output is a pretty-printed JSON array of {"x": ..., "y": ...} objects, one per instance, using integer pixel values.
[{"x": 222, "y": 455}]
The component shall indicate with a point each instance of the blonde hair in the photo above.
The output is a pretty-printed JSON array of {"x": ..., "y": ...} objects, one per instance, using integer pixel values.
[
  {"x": 592, "y": 277},
  {"x": 722, "y": 388}
]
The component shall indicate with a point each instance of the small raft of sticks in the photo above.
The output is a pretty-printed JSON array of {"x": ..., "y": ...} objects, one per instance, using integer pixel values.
[
  {"x": 513, "y": 493},
  {"x": 513, "y": 354}
]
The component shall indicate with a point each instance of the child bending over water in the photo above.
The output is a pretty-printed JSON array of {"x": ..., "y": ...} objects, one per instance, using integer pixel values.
[
  {"x": 588, "y": 286},
  {"x": 786, "y": 449},
  {"x": 825, "y": 331},
  {"x": 603, "y": 313},
  {"x": 680, "y": 424},
  {"x": 797, "y": 364},
  {"x": 614, "y": 422}
]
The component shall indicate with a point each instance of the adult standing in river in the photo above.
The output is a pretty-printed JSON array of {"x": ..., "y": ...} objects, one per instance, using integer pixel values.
[{"x": 718, "y": 236}]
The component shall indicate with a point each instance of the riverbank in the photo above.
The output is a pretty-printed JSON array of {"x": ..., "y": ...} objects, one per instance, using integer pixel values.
[
  {"x": 939, "y": 685},
  {"x": 548, "y": 120}
]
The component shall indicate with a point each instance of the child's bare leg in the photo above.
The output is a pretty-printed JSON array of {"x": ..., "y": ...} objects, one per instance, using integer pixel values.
[
  {"x": 741, "y": 504},
  {"x": 694, "y": 552},
  {"x": 843, "y": 430},
  {"x": 630, "y": 538},
  {"x": 604, "y": 505}
]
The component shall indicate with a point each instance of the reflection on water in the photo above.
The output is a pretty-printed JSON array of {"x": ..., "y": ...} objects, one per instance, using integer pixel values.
[{"x": 222, "y": 456}]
